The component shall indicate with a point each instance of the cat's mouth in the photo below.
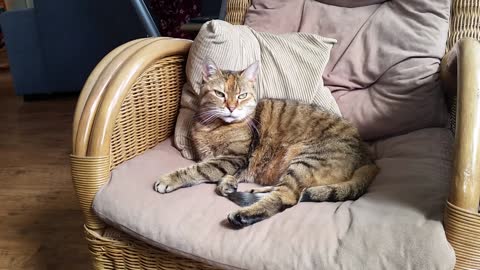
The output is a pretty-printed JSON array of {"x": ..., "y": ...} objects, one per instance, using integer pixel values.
[
  {"x": 229, "y": 119},
  {"x": 235, "y": 116}
]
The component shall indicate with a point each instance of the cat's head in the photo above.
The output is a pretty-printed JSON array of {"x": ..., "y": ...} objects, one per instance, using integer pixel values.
[{"x": 227, "y": 95}]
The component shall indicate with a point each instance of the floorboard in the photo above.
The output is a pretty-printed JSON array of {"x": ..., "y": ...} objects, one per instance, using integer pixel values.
[{"x": 40, "y": 220}]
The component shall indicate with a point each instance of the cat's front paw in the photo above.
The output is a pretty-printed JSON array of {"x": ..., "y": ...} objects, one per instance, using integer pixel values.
[{"x": 165, "y": 185}]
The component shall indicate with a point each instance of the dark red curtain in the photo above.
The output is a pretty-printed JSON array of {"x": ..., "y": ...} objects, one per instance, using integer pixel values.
[{"x": 170, "y": 15}]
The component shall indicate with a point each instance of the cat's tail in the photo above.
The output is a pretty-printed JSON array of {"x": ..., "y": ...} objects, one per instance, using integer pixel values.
[
  {"x": 348, "y": 190},
  {"x": 245, "y": 198}
]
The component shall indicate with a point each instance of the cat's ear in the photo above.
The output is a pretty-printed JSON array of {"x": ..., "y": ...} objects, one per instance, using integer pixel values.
[
  {"x": 209, "y": 69},
  {"x": 251, "y": 72}
]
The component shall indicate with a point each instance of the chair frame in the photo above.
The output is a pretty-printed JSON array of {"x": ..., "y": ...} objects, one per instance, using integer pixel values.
[{"x": 130, "y": 102}]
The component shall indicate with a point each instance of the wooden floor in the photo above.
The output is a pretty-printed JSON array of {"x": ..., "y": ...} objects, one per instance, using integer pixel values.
[{"x": 40, "y": 221}]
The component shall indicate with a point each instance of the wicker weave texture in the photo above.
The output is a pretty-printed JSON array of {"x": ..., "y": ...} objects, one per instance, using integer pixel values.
[
  {"x": 236, "y": 10},
  {"x": 88, "y": 175},
  {"x": 116, "y": 250},
  {"x": 463, "y": 233},
  {"x": 464, "y": 21},
  {"x": 149, "y": 111}
]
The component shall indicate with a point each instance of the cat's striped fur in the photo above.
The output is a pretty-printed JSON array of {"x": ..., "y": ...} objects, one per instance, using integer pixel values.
[{"x": 296, "y": 151}]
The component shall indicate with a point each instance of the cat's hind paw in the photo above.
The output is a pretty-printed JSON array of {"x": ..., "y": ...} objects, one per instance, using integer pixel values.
[
  {"x": 227, "y": 185},
  {"x": 244, "y": 218},
  {"x": 223, "y": 189}
]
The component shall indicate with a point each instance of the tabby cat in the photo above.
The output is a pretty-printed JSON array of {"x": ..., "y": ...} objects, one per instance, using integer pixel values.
[{"x": 296, "y": 151}]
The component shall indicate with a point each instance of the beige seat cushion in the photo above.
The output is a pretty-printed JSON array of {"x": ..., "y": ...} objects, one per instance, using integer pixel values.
[
  {"x": 396, "y": 225},
  {"x": 291, "y": 67}
]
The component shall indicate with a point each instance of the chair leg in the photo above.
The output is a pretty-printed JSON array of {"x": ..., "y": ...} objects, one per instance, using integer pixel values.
[{"x": 463, "y": 232}]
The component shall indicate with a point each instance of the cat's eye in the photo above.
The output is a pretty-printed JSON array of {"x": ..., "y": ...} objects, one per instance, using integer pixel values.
[
  {"x": 242, "y": 96},
  {"x": 219, "y": 94}
]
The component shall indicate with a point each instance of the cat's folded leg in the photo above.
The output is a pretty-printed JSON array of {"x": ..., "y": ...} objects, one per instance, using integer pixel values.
[
  {"x": 228, "y": 184},
  {"x": 351, "y": 189}
]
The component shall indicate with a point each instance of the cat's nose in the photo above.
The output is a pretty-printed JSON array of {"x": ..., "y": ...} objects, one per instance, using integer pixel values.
[{"x": 231, "y": 108}]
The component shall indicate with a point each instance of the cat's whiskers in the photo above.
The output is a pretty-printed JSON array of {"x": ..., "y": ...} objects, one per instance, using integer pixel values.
[
  {"x": 211, "y": 118},
  {"x": 207, "y": 111},
  {"x": 254, "y": 120},
  {"x": 252, "y": 126},
  {"x": 208, "y": 116}
]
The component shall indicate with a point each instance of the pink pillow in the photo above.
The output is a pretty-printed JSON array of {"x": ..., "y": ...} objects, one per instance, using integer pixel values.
[{"x": 383, "y": 71}]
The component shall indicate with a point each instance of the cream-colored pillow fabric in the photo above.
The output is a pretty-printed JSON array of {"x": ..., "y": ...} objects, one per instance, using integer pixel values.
[{"x": 291, "y": 67}]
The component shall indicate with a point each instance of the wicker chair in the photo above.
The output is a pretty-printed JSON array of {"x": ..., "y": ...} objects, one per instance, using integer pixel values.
[{"x": 130, "y": 102}]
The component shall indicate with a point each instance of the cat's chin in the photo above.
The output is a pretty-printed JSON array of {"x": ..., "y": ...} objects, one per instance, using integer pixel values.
[{"x": 229, "y": 119}]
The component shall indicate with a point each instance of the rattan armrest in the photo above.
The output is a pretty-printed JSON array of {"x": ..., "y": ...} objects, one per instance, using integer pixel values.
[
  {"x": 128, "y": 105},
  {"x": 461, "y": 71},
  {"x": 94, "y": 89}
]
